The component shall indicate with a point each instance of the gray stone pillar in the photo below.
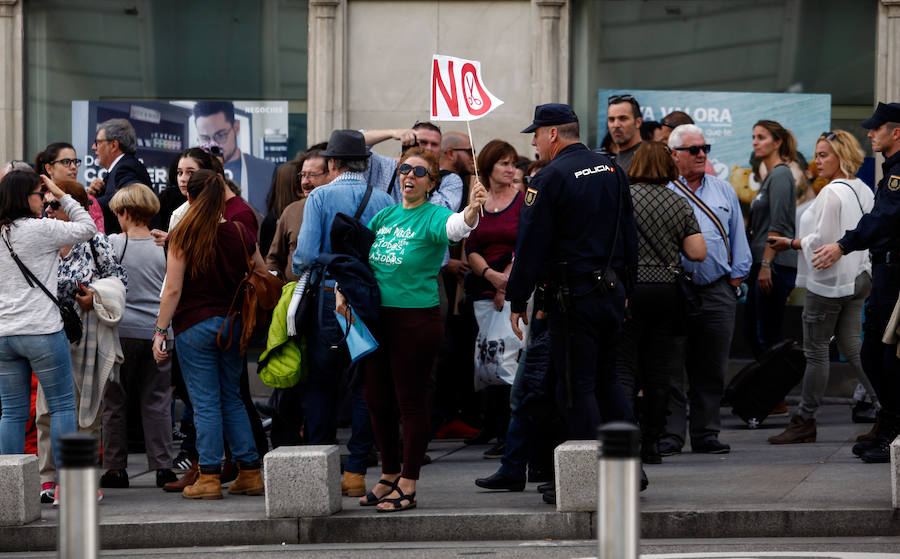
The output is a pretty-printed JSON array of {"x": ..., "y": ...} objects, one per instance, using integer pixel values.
[
  {"x": 327, "y": 108},
  {"x": 550, "y": 54},
  {"x": 12, "y": 41},
  {"x": 887, "y": 66}
]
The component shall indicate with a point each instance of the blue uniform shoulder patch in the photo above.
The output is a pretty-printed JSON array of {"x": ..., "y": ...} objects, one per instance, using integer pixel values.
[{"x": 530, "y": 196}]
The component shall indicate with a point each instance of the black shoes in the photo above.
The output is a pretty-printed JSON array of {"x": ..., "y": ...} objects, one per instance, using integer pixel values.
[
  {"x": 549, "y": 496},
  {"x": 164, "y": 476},
  {"x": 114, "y": 479},
  {"x": 710, "y": 445},
  {"x": 539, "y": 475},
  {"x": 878, "y": 451},
  {"x": 496, "y": 451},
  {"x": 500, "y": 481},
  {"x": 549, "y": 486},
  {"x": 668, "y": 447}
]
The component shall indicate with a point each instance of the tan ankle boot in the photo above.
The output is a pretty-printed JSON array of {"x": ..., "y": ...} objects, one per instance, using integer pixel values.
[
  {"x": 248, "y": 482},
  {"x": 353, "y": 485},
  {"x": 799, "y": 431},
  {"x": 207, "y": 486},
  {"x": 189, "y": 478}
]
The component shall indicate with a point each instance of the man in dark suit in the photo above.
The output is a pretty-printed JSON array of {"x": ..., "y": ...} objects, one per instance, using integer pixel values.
[
  {"x": 216, "y": 124},
  {"x": 115, "y": 145}
]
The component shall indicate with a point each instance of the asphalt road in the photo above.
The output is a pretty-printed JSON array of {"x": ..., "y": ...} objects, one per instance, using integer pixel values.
[{"x": 778, "y": 548}]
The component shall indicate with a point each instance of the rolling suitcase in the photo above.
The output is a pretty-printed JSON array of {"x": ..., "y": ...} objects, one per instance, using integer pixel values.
[{"x": 759, "y": 386}]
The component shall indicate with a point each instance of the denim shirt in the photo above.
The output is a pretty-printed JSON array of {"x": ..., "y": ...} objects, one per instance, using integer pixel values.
[
  {"x": 343, "y": 194},
  {"x": 720, "y": 197},
  {"x": 382, "y": 170}
]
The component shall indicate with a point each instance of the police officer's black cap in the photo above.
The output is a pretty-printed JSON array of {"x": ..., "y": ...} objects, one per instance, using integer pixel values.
[
  {"x": 346, "y": 144},
  {"x": 884, "y": 112},
  {"x": 551, "y": 114}
]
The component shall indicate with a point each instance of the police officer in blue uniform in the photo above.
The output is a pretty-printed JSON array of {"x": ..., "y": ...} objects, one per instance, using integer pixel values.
[
  {"x": 577, "y": 226},
  {"x": 879, "y": 231}
]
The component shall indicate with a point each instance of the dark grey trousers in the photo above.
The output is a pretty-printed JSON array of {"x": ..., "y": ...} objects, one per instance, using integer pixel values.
[
  {"x": 152, "y": 385},
  {"x": 706, "y": 359}
]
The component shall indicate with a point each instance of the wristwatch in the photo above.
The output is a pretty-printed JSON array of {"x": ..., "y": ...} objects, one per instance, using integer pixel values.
[{"x": 765, "y": 262}]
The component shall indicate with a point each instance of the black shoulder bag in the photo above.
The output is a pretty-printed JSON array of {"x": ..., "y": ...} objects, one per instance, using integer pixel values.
[
  {"x": 71, "y": 319},
  {"x": 689, "y": 301}
]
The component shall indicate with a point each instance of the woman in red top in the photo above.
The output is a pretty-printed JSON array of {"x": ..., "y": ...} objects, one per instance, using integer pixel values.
[
  {"x": 490, "y": 250},
  {"x": 204, "y": 267}
]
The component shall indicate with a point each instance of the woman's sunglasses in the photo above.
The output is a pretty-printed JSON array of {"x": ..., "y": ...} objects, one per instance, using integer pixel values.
[
  {"x": 53, "y": 205},
  {"x": 418, "y": 170}
]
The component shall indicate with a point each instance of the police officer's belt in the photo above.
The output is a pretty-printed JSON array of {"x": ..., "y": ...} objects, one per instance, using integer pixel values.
[{"x": 886, "y": 257}]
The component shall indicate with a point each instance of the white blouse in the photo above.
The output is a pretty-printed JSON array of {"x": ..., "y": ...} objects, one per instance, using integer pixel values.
[{"x": 837, "y": 208}]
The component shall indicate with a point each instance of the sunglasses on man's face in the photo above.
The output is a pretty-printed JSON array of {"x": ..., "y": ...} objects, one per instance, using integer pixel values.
[
  {"x": 695, "y": 150},
  {"x": 418, "y": 170}
]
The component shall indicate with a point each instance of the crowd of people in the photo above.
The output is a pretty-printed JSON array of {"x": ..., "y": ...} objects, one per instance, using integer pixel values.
[{"x": 119, "y": 299}]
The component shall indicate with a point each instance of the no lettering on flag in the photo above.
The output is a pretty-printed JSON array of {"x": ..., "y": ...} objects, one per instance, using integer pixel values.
[{"x": 458, "y": 91}]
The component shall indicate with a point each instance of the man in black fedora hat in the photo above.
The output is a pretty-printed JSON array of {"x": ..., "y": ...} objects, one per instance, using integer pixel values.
[
  {"x": 347, "y": 160},
  {"x": 878, "y": 232}
]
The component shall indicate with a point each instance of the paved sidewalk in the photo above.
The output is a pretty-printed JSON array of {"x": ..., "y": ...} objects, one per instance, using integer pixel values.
[{"x": 758, "y": 490}]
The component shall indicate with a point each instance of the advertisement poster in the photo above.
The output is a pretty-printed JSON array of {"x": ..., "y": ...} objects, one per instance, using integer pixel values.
[
  {"x": 252, "y": 136},
  {"x": 727, "y": 120}
]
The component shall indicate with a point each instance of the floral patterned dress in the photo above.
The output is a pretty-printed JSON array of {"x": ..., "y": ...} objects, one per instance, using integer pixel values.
[{"x": 81, "y": 267}]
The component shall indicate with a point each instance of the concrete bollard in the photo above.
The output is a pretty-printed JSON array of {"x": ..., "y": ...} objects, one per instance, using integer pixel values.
[
  {"x": 303, "y": 481},
  {"x": 895, "y": 472},
  {"x": 20, "y": 482}
]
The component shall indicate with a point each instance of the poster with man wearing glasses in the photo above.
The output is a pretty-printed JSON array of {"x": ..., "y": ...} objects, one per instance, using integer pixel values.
[{"x": 250, "y": 136}]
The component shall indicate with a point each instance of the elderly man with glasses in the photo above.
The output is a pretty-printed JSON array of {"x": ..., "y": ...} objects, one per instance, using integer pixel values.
[{"x": 717, "y": 280}]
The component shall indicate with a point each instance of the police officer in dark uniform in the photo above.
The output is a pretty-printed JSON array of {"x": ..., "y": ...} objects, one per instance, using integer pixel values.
[
  {"x": 879, "y": 231},
  {"x": 578, "y": 227}
]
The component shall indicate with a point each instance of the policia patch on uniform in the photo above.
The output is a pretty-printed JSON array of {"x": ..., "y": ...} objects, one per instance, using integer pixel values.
[
  {"x": 531, "y": 196},
  {"x": 893, "y": 184}
]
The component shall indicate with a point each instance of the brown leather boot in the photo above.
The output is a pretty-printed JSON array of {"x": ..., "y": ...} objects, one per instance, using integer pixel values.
[
  {"x": 799, "y": 431},
  {"x": 353, "y": 485},
  {"x": 189, "y": 478},
  {"x": 248, "y": 482},
  {"x": 206, "y": 487},
  {"x": 870, "y": 436}
]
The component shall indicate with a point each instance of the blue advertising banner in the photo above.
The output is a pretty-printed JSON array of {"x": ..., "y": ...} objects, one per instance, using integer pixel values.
[{"x": 727, "y": 119}]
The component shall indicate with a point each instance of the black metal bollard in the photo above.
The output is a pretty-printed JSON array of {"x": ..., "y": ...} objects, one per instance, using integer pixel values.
[
  {"x": 78, "y": 535},
  {"x": 618, "y": 508}
]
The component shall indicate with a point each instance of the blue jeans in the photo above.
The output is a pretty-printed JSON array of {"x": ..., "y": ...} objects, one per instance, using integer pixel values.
[
  {"x": 48, "y": 355},
  {"x": 213, "y": 380},
  {"x": 362, "y": 439}
]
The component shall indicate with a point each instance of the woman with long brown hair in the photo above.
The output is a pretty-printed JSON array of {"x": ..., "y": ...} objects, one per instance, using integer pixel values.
[{"x": 203, "y": 270}]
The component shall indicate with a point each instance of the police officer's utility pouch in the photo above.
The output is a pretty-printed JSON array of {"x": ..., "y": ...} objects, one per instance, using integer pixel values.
[{"x": 607, "y": 280}]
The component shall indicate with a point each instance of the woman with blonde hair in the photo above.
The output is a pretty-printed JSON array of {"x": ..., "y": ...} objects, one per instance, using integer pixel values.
[
  {"x": 204, "y": 268},
  {"x": 835, "y": 296}
]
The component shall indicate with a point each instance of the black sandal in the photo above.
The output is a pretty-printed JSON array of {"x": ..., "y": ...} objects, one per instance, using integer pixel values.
[
  {"x": 372, "y": 500},
  {"x": 395, "y": 502}
]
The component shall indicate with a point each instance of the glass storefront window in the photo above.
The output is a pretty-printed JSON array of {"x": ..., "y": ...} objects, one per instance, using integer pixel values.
[{"x": 161, "y": 50}]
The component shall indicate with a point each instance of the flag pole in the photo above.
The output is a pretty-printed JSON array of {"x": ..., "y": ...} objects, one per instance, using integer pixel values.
[{"x": 474, "y": 162}]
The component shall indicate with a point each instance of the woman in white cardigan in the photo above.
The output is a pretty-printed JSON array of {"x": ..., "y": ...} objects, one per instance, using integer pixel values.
[
  {"x": 31, "y": 329},
  {"x": 834, "y": 297}
]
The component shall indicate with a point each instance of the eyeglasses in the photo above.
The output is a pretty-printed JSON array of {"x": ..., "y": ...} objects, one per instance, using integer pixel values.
[
  {"x": 98, "y": 141},
  {"x": 613, "y": 99},
  {"x": 310, "y": 175},
  {"x": 66, "y": 162},
  {"x": 219, "y": 136},
  {"x": 695, "y": 150},
  {"x": 470, "y": 151},
  {"x": 829, "y": 135},
  {"x": 38, "y": 193},
  {"x": 53, "y": 205},
  {"x": 418, "y": 170}
]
